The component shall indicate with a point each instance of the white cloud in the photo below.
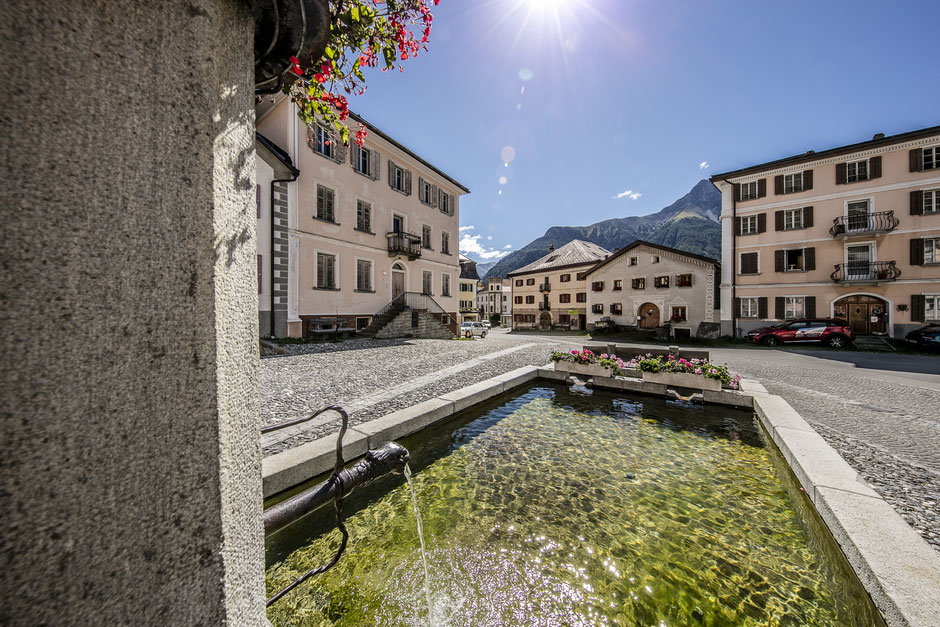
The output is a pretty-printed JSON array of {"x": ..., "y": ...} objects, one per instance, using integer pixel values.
[
  {"x": 489, "y": 238},
  {"x": 466, "y": 228},
  {"x": 470, "y": 245},
  {"x": 703, "y": 165},
  {"x": 507, "y": 246},
  {"x": 632, "y": 195}
]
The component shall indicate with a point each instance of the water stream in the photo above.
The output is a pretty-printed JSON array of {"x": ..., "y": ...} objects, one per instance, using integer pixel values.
[{"x": 424, "y": 553}]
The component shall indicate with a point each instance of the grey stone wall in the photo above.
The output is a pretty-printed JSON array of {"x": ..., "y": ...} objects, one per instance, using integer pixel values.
[
  {"x": 131, "y": 466},
  {"x": 429, "y": 327}
]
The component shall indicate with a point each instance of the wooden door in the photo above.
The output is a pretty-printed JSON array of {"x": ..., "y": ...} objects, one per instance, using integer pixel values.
[
  {"x": 858, "y": 318},
  {"x": 649, "y": 316},
  {"x": 398, "y": 283}
]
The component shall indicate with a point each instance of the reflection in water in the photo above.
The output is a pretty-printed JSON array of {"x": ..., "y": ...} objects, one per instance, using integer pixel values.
[{"x": 557, "y": 509}]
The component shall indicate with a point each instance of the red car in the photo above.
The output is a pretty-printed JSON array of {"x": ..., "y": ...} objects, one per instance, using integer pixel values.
[{"x": 830, "y": 331}]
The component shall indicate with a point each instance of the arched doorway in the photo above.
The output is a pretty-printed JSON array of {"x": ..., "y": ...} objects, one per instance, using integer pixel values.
[
  {"x": 398, "y": 280},
  {"x": 545, "y": 320},
  {"x": 865, "y": 314},
  {"x": 649, "y": 316}
]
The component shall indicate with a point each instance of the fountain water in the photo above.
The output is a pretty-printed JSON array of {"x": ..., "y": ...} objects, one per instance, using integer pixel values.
[{"x": 424, "y": 553}]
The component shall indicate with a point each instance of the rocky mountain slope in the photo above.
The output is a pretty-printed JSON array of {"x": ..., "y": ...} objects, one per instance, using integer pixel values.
[{"x": 690, "y": 224}]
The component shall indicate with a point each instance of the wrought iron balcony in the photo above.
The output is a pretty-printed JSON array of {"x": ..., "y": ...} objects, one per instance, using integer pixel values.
[
  {"x": 544, "y": 307},
  {"x": 865, "y": 272},
  {"x": 864, "y": 224},
  {"x": 545, "y": 287},
  {"x": 401, "y": 243}
]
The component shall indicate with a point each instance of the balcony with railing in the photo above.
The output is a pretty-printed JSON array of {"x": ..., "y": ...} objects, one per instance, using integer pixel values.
[
  {"x": 544, "y": 307},
  {"x": 864, "y": 224},
  {"x": 866, "y": 272},
  {"x": 401, "y": 243},
  {"x": 545, "y": 287}
]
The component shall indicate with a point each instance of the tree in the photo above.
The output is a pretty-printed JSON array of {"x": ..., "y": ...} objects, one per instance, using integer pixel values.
[{"x": 363, "y": 34}]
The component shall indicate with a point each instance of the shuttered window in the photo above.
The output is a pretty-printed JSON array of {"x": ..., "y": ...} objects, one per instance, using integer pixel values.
[
  {"x": 792, "y": 183},
  {"x": 322, "y": 143},
  {"x": 684, "y": 280},
  {"x": 748, "y": 191},
  {"x": 749, "y": 263},
  {"x": 661, "y": 281},
  {"x": 749, "y": 307},
  {"x": 932, "y": 307},
  {"x": 530, "y": 300},
  {"x": 932, "y": 250},
  {"x": 363, "y": 216},
  {"x": 564, "y": 298},
  {"x": 363, "y": 275},
  {"x": 639, "y": 284},
  {"x": 598, "y": 308},
  {"x": 426, "y": 279},
  {"x": 856, "y": 171},
  {"x": 326, "y": 271},
  {"x": 426, "y": 237},
  {"x": 931, "y": 201},
  {"x": 325, "y": 203},
  {"x": 581, "y": 297},
  {"x": 445, "y": 243},
  {"x": 362, "y": 163},
  {"x": 931, "y": 158},
  {"x": 793, "y": 219},
  {"x": 794, "y": 307},
  {"x": 445, "y": 285}
]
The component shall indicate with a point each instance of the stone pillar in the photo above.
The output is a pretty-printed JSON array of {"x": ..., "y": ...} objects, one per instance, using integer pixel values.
[{"x": 131, "y": 463}]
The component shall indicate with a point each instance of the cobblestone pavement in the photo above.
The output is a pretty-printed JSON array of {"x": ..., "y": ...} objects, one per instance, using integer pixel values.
[{"x": 880, "y": 411}]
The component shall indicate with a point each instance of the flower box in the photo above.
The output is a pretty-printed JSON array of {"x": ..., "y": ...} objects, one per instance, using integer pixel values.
[
  {"x": 683, "y": 380},
  {"x": 590, "y": 370}
]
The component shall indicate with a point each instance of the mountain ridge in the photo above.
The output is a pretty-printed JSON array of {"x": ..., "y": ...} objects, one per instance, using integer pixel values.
[{"x": 690, "y": 223}]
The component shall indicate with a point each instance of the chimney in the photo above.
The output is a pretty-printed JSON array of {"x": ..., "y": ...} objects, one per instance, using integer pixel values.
[
  {"x": 878, "y": 136},
  {"x": 551, "y": 248}
]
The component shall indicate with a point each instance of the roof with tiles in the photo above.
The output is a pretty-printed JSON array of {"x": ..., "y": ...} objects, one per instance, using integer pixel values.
[{"x": 576, "y": 252}]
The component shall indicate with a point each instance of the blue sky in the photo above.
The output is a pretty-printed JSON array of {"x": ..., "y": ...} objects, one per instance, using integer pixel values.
[{"x": 601, "y": 97}]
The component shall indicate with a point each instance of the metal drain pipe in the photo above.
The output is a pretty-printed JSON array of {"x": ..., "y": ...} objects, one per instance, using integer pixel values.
[{"x": 388, "y": 458}]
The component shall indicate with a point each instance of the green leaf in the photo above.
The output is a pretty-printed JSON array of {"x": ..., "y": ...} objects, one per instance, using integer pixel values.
[
  {"x": 354, "y": 13},
  {"x": 330, "y": 53}
]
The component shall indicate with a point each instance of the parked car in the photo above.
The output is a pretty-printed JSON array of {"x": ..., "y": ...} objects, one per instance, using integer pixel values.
[
  {"x": 487, "y": 324},
  {"x": 927, "y": 337},
  {"x": 473, "y": 329},
  {"x": 830, "y": 331}
]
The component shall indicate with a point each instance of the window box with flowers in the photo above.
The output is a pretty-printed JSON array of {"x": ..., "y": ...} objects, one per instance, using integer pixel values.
[
  {"x": 684, "y": 280},
  {"x": 587, "y": 363},
  {"x": 661, "y": 281},
  {"x": 597, "y": 286},
  {"x": 685, "y": 373}
]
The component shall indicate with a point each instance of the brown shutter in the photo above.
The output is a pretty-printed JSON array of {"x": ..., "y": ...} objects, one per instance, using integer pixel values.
[
  {"x": 807, "y": 180},
  {"x": 778, "y": 220},
  {"x": 778, "y": 185},
  {"x": 433, "y": 200},
  {"x": 874, "y": 168},
  {"x": 354, "y": 154},
  {"x": 917, "y": 203},
  {"x": 391, "y": 173},
  {"x": 807, "y": 217},
  {"x": 918, "y": 308},
  {"x": 917, "y": 252},
  {"x": 809, "y": 307},
  {"x": 761, "y": 222},
  {"x": 779, "y": 260},
  {"x": 780, "y": 308},
  {"x": 375, "y": 165},
  {"x": 840, "y": 174},
  {"x": 421, "y": 190},
  {"x": 762, "y": 307},
  {"x": 917, "y": 159},
  {"x": 809, "y": 259},
  {"x": 408, "y": 182},
  {"x": 737, "y": 307},
  {"x": 761, "y": 188},
  {"x": 737, "y": 192}
]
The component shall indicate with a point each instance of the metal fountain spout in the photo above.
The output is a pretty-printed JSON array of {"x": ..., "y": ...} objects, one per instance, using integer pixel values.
[{"x": 390, "y": 457}]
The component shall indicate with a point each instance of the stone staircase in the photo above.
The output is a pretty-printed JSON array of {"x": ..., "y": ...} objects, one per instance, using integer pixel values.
[
  {"x": 874, "y": 343},
  {"x": 409, "y": 315}
]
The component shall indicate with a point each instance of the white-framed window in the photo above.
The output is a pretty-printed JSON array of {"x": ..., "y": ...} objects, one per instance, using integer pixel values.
[
  {"x": 794, "y": 307},
  {"x": 326, "y": 201},
  {"x": 858, "y": 215},
  {"x": 793, "y": 219},
  {"x": 931, "y": 201},
  {"x": 749, "y": 190},
  {"x": 445, "y": 243},
  {"x": 427, "y": 280},
  {"x": 363, "y": 275},
  {"x": 932, "y": 307},
  {"x": 444, "y": 204},
  {"x": 426, "y": 192},
  {"x": 856, "y": 171},
  {"x": 445, "y": 284},
  {"x": 749, "y": 307},
  {"x": 748, "y": 225},
  {"x": 634, "y": 261},
  {"x": 323, "y": 144},
  {"x": 932, "y": 158},
  {"x": 326, "y": 271},
  {"x": 398, "y": 223},
  {"x": 932, "y": 250},
  {"x": 398, "y": 178},
  {"x": 363, "y": 162},
  {"x": 792, "y": 182},
  {"x": 363, "y": 216},
  {"x": 749, "y": 262},
  {"x": 426, "y": 237}
]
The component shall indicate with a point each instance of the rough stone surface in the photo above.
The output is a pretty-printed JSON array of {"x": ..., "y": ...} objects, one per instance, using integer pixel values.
[
  {"x": 131, "y": 465},
  {"x": 402, "y": 325}
]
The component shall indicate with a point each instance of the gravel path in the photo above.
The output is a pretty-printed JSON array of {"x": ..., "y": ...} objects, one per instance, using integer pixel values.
[{"x": 881, "y": 412}]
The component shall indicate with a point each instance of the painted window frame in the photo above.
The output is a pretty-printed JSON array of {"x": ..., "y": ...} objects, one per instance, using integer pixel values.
[
  {"x": 364, "y": 208},
  {"x": 935, "y": 157},
  {"x": 794, "y": 307},
  {"x": 792, "y": 219},
  {"x": 930, "y": 201},
  {"x": 934, "y": 315},
  {"x": 753, "y": 307},
  {"x": 746, "y": 189},
  {"x": 741, "y": 254},
  {"x": 857, "y": 178},
  {"x": 790, "y": 185},
  {"x": 427, "y": 282},
  {"x": 364, "y": 161},
  {"x": 332, "y": 203},
  {"x": 370, "y": 285},
  {"x": 426, "y": 235},
  {"x": 934, "y": 251},
  {"x": 445, "y": 285},
  {"x": 333, "y": 283},
  {"x": 746, "y": 223}
]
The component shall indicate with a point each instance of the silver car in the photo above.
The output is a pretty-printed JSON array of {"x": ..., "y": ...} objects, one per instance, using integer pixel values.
[{"x": 473, "y": 329}]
